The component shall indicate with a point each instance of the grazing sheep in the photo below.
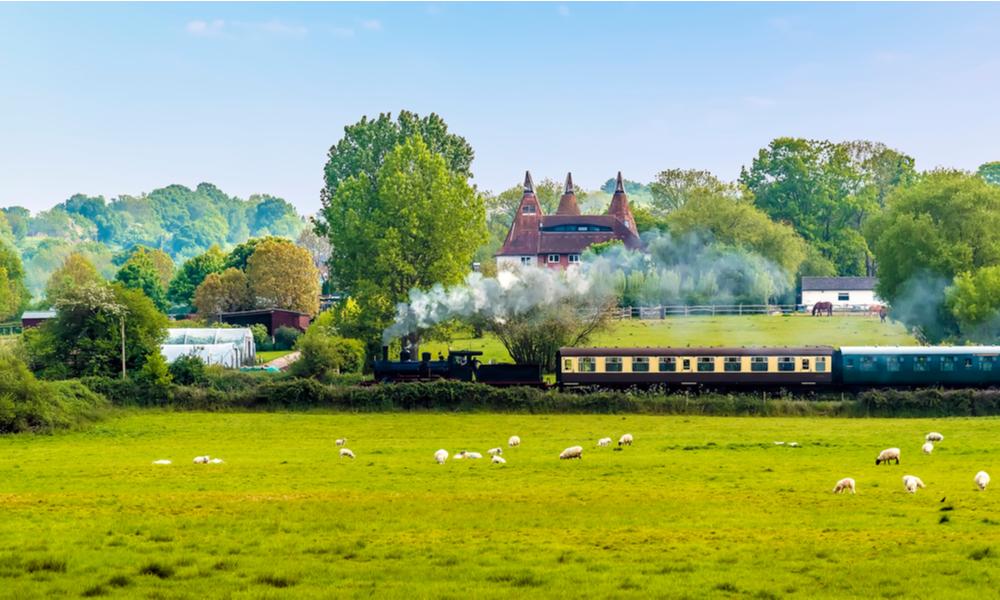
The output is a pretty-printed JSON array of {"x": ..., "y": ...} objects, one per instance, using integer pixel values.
[
  {"x": 440, "y": 456},
  {"x": 934, "y": 437},
  {"x": 603, "y": 442},
  {"x": 514, "y": 441},
  {"x": 473, "y": 455},
  {"x": 162, "y": 461},
  {"x": 886, "y": 455},
  {"x": 216, "y": 461},
  {"x": 498, "y": 460},
  {"x": 572, "y": 452},
  {"x": 912, "y": 482},
  {"x": 793, "y": 444},
  {"x": 625, "y": 440},
  {"x": 495, "y": 451},
  {"x": 460, "y": 455},
  {"x": 201, "y": 460},
  {"x": 982, "y": 479},
  {"x": 928, "y": 447},
  {"x": 779, "y": 443},
  {"x": 341, "y": 441},
  {"x": 345, "y": 452},
  {"x": 844, "y": 485}
]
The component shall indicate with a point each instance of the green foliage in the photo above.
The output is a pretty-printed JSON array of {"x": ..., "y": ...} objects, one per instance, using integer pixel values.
[
  {"x": 140, "y": 273},
  {"x": 282, "y": 275},
  {"x": 27, "y": 404},
  {"x": 990, "y": 172},
  {"x": 604, "y": 247},
  {"x": 674, "y": 187},
  {"x": 240, "y": 255},
  {"x": 397, "y": 231},
  {"x": 228, "y": 291},
  {"x": 260, "y": 335},
  {"x": 192, "y": 273},
  {"x": 285, "y": 337},
  {"x": 85, "y": 337},
  {"x": 188, "y": 370},
  {"x": 14, "y": 295},
  {"x": 324, "y": 355},
  {"x": 974, "y": 300},
  {"x": 155, "y": 371},
  {"x": 76, "y": 271}
]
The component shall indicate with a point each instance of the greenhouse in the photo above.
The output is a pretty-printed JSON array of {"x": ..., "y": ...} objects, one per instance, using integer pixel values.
[{"x": 231, "y": 348}]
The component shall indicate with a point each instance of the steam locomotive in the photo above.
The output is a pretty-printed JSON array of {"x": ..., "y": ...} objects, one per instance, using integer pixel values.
[{"x": 791, "y": 368}]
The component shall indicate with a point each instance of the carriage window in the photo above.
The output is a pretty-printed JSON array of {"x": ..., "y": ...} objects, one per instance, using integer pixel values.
[
  {"x": 947, "y": 363},
  {"x": 613, "y": 364},
  {"x": 986, "y": 363},
  {"x": 588, "y": 364},
  {"x": 967, "y": 363},
  {"x": 805, "y": 364},
  {"x": 849, "y": 363},
  {"x": 567, "y": 364},
  {"x": 687, "y": 364},
  {"x": 820, "y": 365},
  {"x": 668, "y": 364},
  {"x": 867, "y": 363},
  {"x": 706, "y": 364},
  {"x": 758, "y": 363},
  {"x": 640, "y": 364},
  {"x": 786, "y": 363},
  {"x": 921, "y": 363},
  {"x": 892, "y": 363},
  {"x": 843, "y": 297},
  {"x": 732, "y": 363}
]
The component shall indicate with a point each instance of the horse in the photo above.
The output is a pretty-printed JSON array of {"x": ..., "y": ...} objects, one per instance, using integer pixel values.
[
  {"x": 823, "y": 307},
  {"x": 878, "y": 310}
]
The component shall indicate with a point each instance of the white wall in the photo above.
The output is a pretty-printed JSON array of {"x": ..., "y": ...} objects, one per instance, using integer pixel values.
[
  {"x": 857, "y": 297},
  {"x": 506, "y": 262}
]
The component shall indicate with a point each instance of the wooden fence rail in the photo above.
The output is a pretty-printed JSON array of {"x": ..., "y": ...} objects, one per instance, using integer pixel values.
[{"x": 691, "y": 310}]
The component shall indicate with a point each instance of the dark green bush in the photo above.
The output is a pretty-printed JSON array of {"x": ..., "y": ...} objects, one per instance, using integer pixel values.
[
  {"x": 324, "y": 356},
  {"x": 188, "y": 370},
  {"x": 285, "y": 337},
  {"x": 27, "y": 404}
]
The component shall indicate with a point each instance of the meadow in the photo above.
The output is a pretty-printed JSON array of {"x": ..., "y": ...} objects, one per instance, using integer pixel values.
[
  {"x": 753, "y": 330},
  {"x": 699, "y": 507}
]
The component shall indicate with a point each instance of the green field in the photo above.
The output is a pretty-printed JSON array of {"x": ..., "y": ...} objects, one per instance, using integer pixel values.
[
  {"x": 757, "y": 330},
  {"x": 700, "y": 507},
  {"x": 269, "y": 355}
]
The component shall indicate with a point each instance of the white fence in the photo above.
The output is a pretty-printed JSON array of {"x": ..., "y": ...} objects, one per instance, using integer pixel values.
[{"x": 687, "y": 310}]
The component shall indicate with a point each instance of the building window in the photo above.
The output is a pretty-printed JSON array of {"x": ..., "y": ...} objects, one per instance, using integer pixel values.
[
  {"x": 527, "y": 260},
  {"x": 640, "y": 364},
  {"x": 986, "y": 363},
  {"x": 613, "y": 364},
  {"x": 892, "y": 363},
  {"x": 553, "y": 258},
  {"x": 921, "y": 363},
  {"x": 668, "y": 364},
  {"x": 588, "y": 364},
  {"x": 706, "y": 364},
  {"x": 786, "y": 363},
  {"x": 529, "y": 209},
  {"x": 732, "y": 364},
  {"x": 947, "y": 363},
  {"x": 843, "y": 296},
  {"x": 758, "y": 364},
  {"x": 574, "y": 258}
]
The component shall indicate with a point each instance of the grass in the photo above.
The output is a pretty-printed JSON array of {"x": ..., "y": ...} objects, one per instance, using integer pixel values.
[
  {"x": 700, "y": 507},
  {"x": 269, "y": 355},
  {"x": 756, "y": 330}
]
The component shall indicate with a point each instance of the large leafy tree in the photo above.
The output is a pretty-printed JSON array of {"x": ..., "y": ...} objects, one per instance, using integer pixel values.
[
  {"x": 240, "y": 255},
  {"x": 674, "y": 187},
  {"x": 974, "y": 300},
  {"x": 223, "y": 292},
  {"x": 13, "y": 292},
  {"x": 76, "y": 271},
  {"x": 990, "y": 172},
  {"x": 192, "y": 273},
  {"x": 282, "y": 275},
  {"x": 416, "y": 224},
  {"x": 140, "y": 273}
]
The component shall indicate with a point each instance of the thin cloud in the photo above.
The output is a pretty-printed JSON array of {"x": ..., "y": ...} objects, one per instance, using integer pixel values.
[
  {"x": 202, "y": 28},
  {"x": 372, "y": 25},
  {"x": 563, "y": 10},
  {"x": 277, "y": 28},
  {"x": 220, "y": 28}
]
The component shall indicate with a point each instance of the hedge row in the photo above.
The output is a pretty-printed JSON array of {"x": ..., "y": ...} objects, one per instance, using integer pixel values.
[{"x": 286, "y": 393}]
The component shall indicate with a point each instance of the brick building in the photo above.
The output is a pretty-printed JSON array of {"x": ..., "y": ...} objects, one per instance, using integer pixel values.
[{"x": 558, "y": 240}]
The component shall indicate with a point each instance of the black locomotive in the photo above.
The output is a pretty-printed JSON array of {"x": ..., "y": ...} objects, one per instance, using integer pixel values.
[{"x": 461, "y": 365}]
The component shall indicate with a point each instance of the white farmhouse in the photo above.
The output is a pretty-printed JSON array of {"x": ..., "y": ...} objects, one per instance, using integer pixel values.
[{"x": 842, "y": 291}]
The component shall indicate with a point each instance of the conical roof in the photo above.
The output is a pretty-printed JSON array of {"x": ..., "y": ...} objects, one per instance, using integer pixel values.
[{"x": 567, "y": 202}]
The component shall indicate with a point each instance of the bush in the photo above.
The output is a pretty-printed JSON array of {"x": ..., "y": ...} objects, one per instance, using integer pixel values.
[
  {"x": 188, "y": 370},
  {"x": 285, "y": 337},
  {"x": 260, "y": 336},
  {"x": 27, "y": 404},
  {"x": 324, "y": 356}
]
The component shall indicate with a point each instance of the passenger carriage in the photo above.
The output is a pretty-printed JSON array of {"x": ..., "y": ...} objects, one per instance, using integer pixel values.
[{"x": 966, "y": 366}]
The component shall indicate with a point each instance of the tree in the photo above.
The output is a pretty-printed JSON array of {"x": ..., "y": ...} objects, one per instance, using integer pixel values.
[
  {"x": 14, "y": 295},
  {"x": 319, "y": 249},
  {"x": 139, "y": 273},
  {"x": 228, "y": 291},
  {"x": 85, "y": 337},
  {"x": 240, "y": 255},
  {"x": 282, "y": 275},
  {"x": 674, "y": 187},
  {"x": 192, "y": 273},
  {"x": 76, "y": 271},
  {"x": 418, "y": 224},
  {"x": 974, "y": 300},
  {"x": 631, "y": 187},
  {"x": 990, "y": 172},
  {"x": 161, "y": 261},
  {"x": 18, "y": 217},
  {"x": 273, "y": 216}
]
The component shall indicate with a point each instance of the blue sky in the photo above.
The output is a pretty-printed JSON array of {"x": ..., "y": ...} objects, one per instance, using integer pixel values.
[{"x": 122, "y": 98}]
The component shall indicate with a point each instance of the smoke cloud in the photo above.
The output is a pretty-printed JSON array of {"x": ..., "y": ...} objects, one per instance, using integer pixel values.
[{"x": 693, "y": 269}]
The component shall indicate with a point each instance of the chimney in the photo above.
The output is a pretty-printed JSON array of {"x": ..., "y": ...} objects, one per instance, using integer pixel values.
[{"x": 567, "y": 203}]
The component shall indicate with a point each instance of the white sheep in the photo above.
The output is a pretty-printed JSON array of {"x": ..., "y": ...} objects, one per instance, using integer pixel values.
[
  {"x": 460, "y": 455},
  {"x": 912, "y": 482},
  {"x": 928, "y": 447},
  {"x": 341, "y": 441},
  {"x": 514, "y": 441},
  {"x": 345, "y": 452},
  {"x": 216, "y": 461},
  {"x": 625, "y": 440},
  {"x": 572, "y": 452},
  {"x": 934, "y": 437},
  {"x": 162, "y": 461},
  {"x": 499, "y": 460},
  {"x": 886, "y": 455},
  {"x": 793, "y": 444},
  {"x": 440, "y": 456},
  {"x": 473, "y": 455},
  {"x": 845, "y": 484},
  {"x": 201, "y": 460},
  {"x": 982, "y": 479},
  {"x": 495, "y": 451},
  {"x": 603, "y": 442}
]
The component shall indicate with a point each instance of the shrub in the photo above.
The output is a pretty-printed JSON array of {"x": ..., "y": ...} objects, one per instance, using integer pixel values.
[
  {"x": 27, "y": 404},
  {"x": 285, "y": 337},
  {"x": 188, "y": 370},
  {"x": 326, "y": 356},
  {"x": 260, "y": 335}
]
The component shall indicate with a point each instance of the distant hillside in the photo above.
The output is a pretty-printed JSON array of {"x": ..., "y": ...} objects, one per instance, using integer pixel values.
[{"x": 180, "y": 221}]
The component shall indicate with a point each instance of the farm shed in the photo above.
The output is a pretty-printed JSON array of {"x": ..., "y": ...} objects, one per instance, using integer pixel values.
[
  {"x": 841, "y": 291},
  {"x": 272, "y": 318},
  {"x": 34, "y": 318},
  {"x": 241, "y": 339}
]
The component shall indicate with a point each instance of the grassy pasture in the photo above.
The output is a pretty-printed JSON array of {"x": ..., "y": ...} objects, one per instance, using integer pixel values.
[
  {"x": 753, "y": 330},
  {"x": 700, "y": 507}
]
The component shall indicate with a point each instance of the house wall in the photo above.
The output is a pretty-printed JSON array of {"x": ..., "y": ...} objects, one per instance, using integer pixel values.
[
  {"x": 857, "y": 297},
  {"x": 506, "y": 262}
]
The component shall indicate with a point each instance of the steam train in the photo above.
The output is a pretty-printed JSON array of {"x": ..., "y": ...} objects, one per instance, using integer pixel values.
[{"x": 790, "y": 368}]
